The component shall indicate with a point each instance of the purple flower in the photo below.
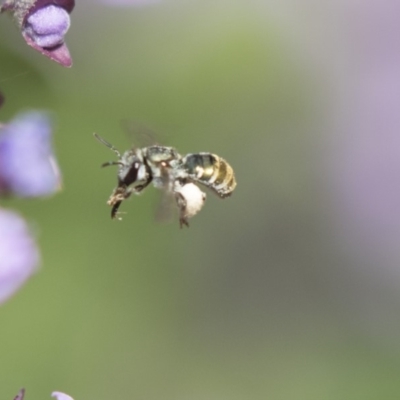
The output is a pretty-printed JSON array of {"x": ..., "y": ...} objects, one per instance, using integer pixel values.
[
  {"x": 19, "y": 256},
  {"x": 43, "y": 24},
  {"x": 27, "y": 164}
]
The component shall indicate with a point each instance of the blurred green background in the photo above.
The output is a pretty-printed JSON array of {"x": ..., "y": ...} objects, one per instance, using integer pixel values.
[{"x": 257, "y": 299}]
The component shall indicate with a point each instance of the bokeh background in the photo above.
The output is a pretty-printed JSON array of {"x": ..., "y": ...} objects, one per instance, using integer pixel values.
[{"x": 287, "y": 290}]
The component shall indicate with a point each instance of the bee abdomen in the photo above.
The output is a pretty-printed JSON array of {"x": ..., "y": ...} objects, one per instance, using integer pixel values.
[{"x": 212, "y": 171}]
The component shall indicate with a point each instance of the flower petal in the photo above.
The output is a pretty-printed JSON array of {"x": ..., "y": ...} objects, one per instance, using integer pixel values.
[{"x": 60, "y": 54}]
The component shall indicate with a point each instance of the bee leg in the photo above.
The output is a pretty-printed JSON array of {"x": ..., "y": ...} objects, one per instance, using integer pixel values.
[
  {"x": 139, "y": 188},
  {"x": 144, "y": 180},
  {"x": 183, "y": 221},
  {"x": 181, "y": 203},
  {"x": 120, "y": 194},
  {"x": 114, "y": 210}
]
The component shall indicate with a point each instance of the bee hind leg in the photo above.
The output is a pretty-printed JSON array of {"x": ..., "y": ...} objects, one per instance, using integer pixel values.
[
  {"x": 182, "y": 206},
  {"x": 183, "y": 221}
]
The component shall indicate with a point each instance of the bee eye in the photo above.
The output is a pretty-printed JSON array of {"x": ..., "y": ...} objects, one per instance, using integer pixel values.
[{"x": 130, "y": 175}]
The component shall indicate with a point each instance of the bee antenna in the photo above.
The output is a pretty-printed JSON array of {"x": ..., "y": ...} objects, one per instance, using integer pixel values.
[
  {"x": 108, "y": 163},
  {"x": 109, "y": 145}
]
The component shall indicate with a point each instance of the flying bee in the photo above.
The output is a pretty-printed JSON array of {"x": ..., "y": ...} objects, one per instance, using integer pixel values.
[{"x": 168, "y": 170}]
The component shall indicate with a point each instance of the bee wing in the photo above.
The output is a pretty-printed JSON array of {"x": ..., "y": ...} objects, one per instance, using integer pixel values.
[
  {"x": 140, "y": 134},
  {"x": 166, "y": 210}
]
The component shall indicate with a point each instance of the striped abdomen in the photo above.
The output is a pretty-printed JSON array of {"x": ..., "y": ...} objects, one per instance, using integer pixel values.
[{"x": 211, "y": 171}]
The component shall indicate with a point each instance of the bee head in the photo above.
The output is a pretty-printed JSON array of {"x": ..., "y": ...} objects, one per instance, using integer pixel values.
[{"x": 130, "y": 165}]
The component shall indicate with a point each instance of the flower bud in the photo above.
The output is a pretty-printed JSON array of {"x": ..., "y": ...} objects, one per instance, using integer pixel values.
[{"x": 43, "y": 24}]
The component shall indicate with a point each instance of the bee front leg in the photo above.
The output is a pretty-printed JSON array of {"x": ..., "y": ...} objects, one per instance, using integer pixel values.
[
  {"x": 114, "y": 210},
  {"x": 120, "y": 194}
]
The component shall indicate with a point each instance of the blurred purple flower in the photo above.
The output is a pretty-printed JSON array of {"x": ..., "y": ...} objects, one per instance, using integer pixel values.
[
  {"x": 129, "y": 3},
  {"x": 61, "y": 396},
  {"x": 20, "y": 395},
  {"x": 19, "y": 256},
  {"x": 43, "y": 24},
  {"x": 56, "y": 395},
  {"x": 27, "y": 164},
  {"x": 367, "y": 154}
]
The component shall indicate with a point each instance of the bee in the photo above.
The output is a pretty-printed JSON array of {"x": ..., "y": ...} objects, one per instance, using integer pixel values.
[{"x": 168, "y": 170}]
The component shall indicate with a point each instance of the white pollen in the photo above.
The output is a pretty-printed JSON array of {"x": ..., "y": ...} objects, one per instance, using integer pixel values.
[{"x": 194, "y": 198}]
